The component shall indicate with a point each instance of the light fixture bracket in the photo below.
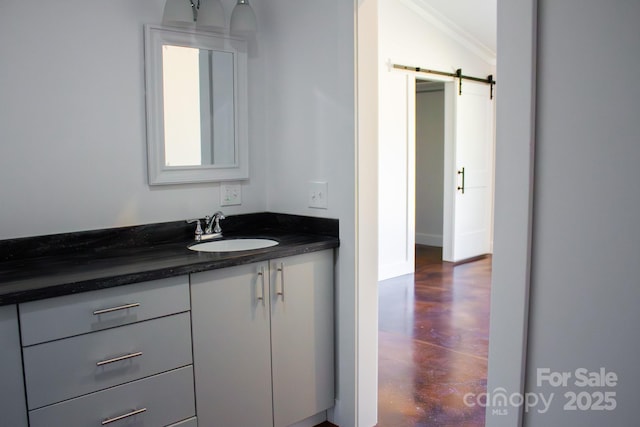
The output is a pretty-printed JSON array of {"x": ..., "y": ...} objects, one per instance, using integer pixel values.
[{"x": 194, "y": 8}]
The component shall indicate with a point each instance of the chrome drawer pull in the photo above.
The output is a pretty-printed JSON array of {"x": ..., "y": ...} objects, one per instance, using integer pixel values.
[
  {"x": 118, "y": 359},
  {"x": 121, "y": 417},
  {"x": 122, "y": 307}
]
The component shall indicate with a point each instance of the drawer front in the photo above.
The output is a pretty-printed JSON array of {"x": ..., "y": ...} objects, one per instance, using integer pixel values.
[
  {"x": 166, "y": 399},
  {"x": 63, "y": 369},
  {"x": 70, "y": 315}
]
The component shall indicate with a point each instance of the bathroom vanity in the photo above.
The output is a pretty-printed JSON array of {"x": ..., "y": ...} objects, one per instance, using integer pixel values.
[{"x": 129, "y": 326}]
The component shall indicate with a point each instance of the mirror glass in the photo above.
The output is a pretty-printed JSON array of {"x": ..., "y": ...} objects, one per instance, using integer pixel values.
[
  {"x": 198, "y": 114},
  {"x": 196, "y": 106}
]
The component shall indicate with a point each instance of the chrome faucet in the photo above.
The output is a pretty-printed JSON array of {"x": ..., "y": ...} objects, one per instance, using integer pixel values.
[
  {"x": 214, "y": 222},
  {"x": 212, "y": 227}
]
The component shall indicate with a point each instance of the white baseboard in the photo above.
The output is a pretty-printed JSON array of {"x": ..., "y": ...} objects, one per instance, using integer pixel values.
[{"x": 429, "y": 239}]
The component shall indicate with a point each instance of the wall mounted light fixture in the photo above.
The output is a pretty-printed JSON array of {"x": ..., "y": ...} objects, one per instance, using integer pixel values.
[
  {"x": 209, "y": 15},
  {"x": 243, "y": 20},
  {"x": 205, "y": 14}
]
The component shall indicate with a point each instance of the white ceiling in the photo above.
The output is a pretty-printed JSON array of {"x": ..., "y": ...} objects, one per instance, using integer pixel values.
[{"x": 476, "y": 18}]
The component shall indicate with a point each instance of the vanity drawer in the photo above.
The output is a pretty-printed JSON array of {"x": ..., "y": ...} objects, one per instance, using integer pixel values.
[
  {"x": 166, "y": 399},
  {"x": 63, "y": 369},
  {"x": 76, "y": 314}
]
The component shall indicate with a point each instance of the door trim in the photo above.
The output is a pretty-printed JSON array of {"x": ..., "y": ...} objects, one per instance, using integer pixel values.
[{"x": 515, "y": 142}]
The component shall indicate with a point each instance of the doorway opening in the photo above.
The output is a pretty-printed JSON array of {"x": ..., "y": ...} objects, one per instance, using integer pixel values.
[
  {"x": 434, "y": 324},
  {"x": 429, "y": 162}
]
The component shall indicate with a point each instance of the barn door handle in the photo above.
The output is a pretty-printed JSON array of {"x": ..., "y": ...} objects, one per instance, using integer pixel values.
[{"x": 461, "y": 172}]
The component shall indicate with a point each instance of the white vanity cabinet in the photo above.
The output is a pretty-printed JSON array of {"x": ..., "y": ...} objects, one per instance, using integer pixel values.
[
  {"x": 120, "y": 355},
  {"x": 13, "y": 411},
  {"x": 263, "y": 341}
]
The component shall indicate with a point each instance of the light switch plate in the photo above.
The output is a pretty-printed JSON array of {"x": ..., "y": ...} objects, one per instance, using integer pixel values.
[
  {"x": 318, "y": 194},
  {"x": 230, "y": 194}
]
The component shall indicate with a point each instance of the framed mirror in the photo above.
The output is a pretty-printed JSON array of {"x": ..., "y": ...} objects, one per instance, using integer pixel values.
[{"x": 196, "y": 99}]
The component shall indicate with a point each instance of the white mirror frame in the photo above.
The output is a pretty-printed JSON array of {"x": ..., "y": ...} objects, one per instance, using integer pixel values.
[{"x": 160, "y": 174}]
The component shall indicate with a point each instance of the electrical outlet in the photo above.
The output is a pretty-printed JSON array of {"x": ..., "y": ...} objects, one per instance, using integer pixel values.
[
  {"x": 230, "y": 194},
  {"x": 318, "y": 195}
]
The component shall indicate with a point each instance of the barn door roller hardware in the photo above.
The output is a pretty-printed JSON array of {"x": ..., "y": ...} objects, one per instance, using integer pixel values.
[{"x": 458, "y": 75}]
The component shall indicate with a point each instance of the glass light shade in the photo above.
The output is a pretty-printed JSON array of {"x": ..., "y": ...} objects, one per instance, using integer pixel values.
[
  {"x": 210, "y": 15},
  {"x": 243, "y": 20},
  {"x": 177, "y": 13}
]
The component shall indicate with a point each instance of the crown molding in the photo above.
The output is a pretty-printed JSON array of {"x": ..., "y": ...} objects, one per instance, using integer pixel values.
[{"x": 451, "y": 29}]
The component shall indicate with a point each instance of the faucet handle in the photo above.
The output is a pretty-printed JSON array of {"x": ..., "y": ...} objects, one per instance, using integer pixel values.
[
  {"x": 216, "y": 218},
  {"x": 199, "y": 231},
  {"x": 217, "y": 228}
]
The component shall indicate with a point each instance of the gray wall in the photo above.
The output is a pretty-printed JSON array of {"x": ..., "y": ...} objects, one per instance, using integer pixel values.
[
  {"x": 429, "y": 166},
  {"x": 585, "y": 288}
]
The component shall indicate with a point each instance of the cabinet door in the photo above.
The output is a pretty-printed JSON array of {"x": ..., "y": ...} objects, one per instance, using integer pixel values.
[
  {"x": 231, "y": 347},
  {"x": 12, "y": 405},
  {"x": 302, "y": 336}
]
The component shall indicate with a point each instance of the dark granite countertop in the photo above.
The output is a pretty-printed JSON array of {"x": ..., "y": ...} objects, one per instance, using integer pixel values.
[{"x": 48, "y": 266}]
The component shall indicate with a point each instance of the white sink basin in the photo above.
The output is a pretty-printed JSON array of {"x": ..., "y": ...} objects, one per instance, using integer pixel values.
[{"x": 233, "y": 245}]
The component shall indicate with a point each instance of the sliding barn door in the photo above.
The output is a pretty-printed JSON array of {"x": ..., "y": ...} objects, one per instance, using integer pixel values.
[{"x": 468, "y": 192}]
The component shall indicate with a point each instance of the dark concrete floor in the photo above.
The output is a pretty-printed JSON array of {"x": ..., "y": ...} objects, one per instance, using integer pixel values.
[{"x": 433, "y": 342}]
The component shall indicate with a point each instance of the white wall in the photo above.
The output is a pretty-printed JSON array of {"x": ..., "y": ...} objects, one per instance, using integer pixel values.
[
  {"x": 310, "y": 113},
  {"x": 429, "y": 166},
  {"x": 366, "y": 255},
  {"x": 73, "y": 149},
  {"x": 72, "y": 122},
  {"x": 586, "y": 239},
  {"x": 407, "y": 38},
  {"x": 310, "y": 127},
  {"x": 515, "y": 141}
]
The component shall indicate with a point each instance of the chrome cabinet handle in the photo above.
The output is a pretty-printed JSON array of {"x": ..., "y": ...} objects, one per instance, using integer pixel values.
[
  {"x": 119, "y": 359},
  {"x": 121, "y": 307},
  {"x": 280, "y": 291},
  {"x": 123, "y": 416},
  {"x": 260, "y": 289}
]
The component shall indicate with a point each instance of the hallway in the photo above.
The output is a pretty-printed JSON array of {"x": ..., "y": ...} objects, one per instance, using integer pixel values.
[{"x": 433, "y": 343}]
